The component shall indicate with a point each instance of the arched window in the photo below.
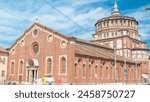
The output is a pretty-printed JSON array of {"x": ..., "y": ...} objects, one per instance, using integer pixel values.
[
  {"x": 90, "y": 72},
  {"x": 128, "y": 74},
  {"x": 12, "y": 67},
  {"x": 21, "y": 67},
  {"x": 49, "y": 66},
  {"x": 96, "y": 71},
  {"x": 75, "y": 70},
  {"x": 63, "y": 65},
  {"x": 83, "y": 71},
  {"x": 107, "y": 73},
  {"x": 139, "y": 75}
]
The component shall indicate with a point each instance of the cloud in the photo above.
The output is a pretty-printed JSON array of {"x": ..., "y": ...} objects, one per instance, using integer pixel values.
[
  {"x": 84, "y": 13},
  {"x": 143, "y": 17}
]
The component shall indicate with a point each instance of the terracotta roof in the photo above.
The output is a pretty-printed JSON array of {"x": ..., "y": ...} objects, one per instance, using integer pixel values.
[
  {"x": 3, "y": 49},
  {"x": 104, "y": 54},
  {"x": 92, "y": 43}
]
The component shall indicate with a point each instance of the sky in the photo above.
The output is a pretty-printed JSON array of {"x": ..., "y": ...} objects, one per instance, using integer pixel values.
[{"x": 78, "y": 18}]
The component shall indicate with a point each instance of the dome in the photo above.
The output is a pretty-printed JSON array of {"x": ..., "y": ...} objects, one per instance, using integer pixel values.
[
  {"x": 116, "y": 21},
  {"x": 116, "y": 15}
]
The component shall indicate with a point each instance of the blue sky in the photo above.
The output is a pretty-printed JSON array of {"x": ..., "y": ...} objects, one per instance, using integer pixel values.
[{"x": 18, "y": 15}]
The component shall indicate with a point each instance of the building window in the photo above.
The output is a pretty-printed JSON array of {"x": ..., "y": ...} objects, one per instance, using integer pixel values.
[
  {"x": 107, "y": 35},
  {"x": 3, "y": 73},
  {"x": 13, "y": 51},
  {"x": 116, "y": 34},
  {"x": 49, "y": 65},
  {"x": 112, "y": 34},
  {"x": 35, "y": 32},
  {"x": 63, "y": 65},
  {"x": 107, "y": 73},
  {"x": 4, "y": 60},
  {"x": 116, "y": 22},
  {"x": 83, "y": 71},
  {"x": 21, "y": 67},
  {"x": 128, "y": 23},
  {"x": 101, "y": 74},
  {"x": 12, "y": 67},
  {"x": 112, "y": 22},
  {"x": 96, "y": 71},
  {"x": 75, "y": 70},
  {"x": 50, "y": 38},
  {"x": 22, "y": 43},
  {"x": 90, "y": 72},
  {"x": 35, "y": 48},
  {"x": 63, "y": 44}
]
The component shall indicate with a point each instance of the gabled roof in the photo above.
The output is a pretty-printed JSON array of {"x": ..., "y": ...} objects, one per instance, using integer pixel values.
[
  {"x": 94, "y": 44},
  {"x": 59, "y": 34},
  {"x": 3, "y": 49},
  {"x": 43, "y": 27}
]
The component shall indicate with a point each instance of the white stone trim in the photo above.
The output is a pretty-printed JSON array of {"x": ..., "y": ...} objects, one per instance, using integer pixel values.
[
  {"x": 62, "y": 43},
  {"x": 50, "y": 34}
]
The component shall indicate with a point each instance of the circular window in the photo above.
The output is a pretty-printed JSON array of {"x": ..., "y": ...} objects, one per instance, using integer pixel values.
[
  {"x": 13, "y": 51},
  {"x": 35, "y": 32},
  {"x": 35, "y": 48},
  {"x": 22, "y": 43},
  {"x": 50, "y": 38},
  {"x": 63, "y": 44}
]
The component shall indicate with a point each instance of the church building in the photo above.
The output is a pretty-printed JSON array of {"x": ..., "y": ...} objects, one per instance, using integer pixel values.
[{"x": 115, "y": 55}]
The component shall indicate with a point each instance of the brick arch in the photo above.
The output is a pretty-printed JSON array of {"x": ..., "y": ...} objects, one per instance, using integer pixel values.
[
  {"x": 90, "y": 70},
  {"x": 75, "y": 70},
  {"x": 80, "y": 60},
  {"x": 100, "y": 70}
]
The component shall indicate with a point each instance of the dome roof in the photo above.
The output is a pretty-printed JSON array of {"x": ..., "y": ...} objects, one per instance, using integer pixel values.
[{"x": 116, "y": 15}]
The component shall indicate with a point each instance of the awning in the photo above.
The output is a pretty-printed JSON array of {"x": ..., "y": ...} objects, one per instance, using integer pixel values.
[{"x": 32, "y": 63}]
